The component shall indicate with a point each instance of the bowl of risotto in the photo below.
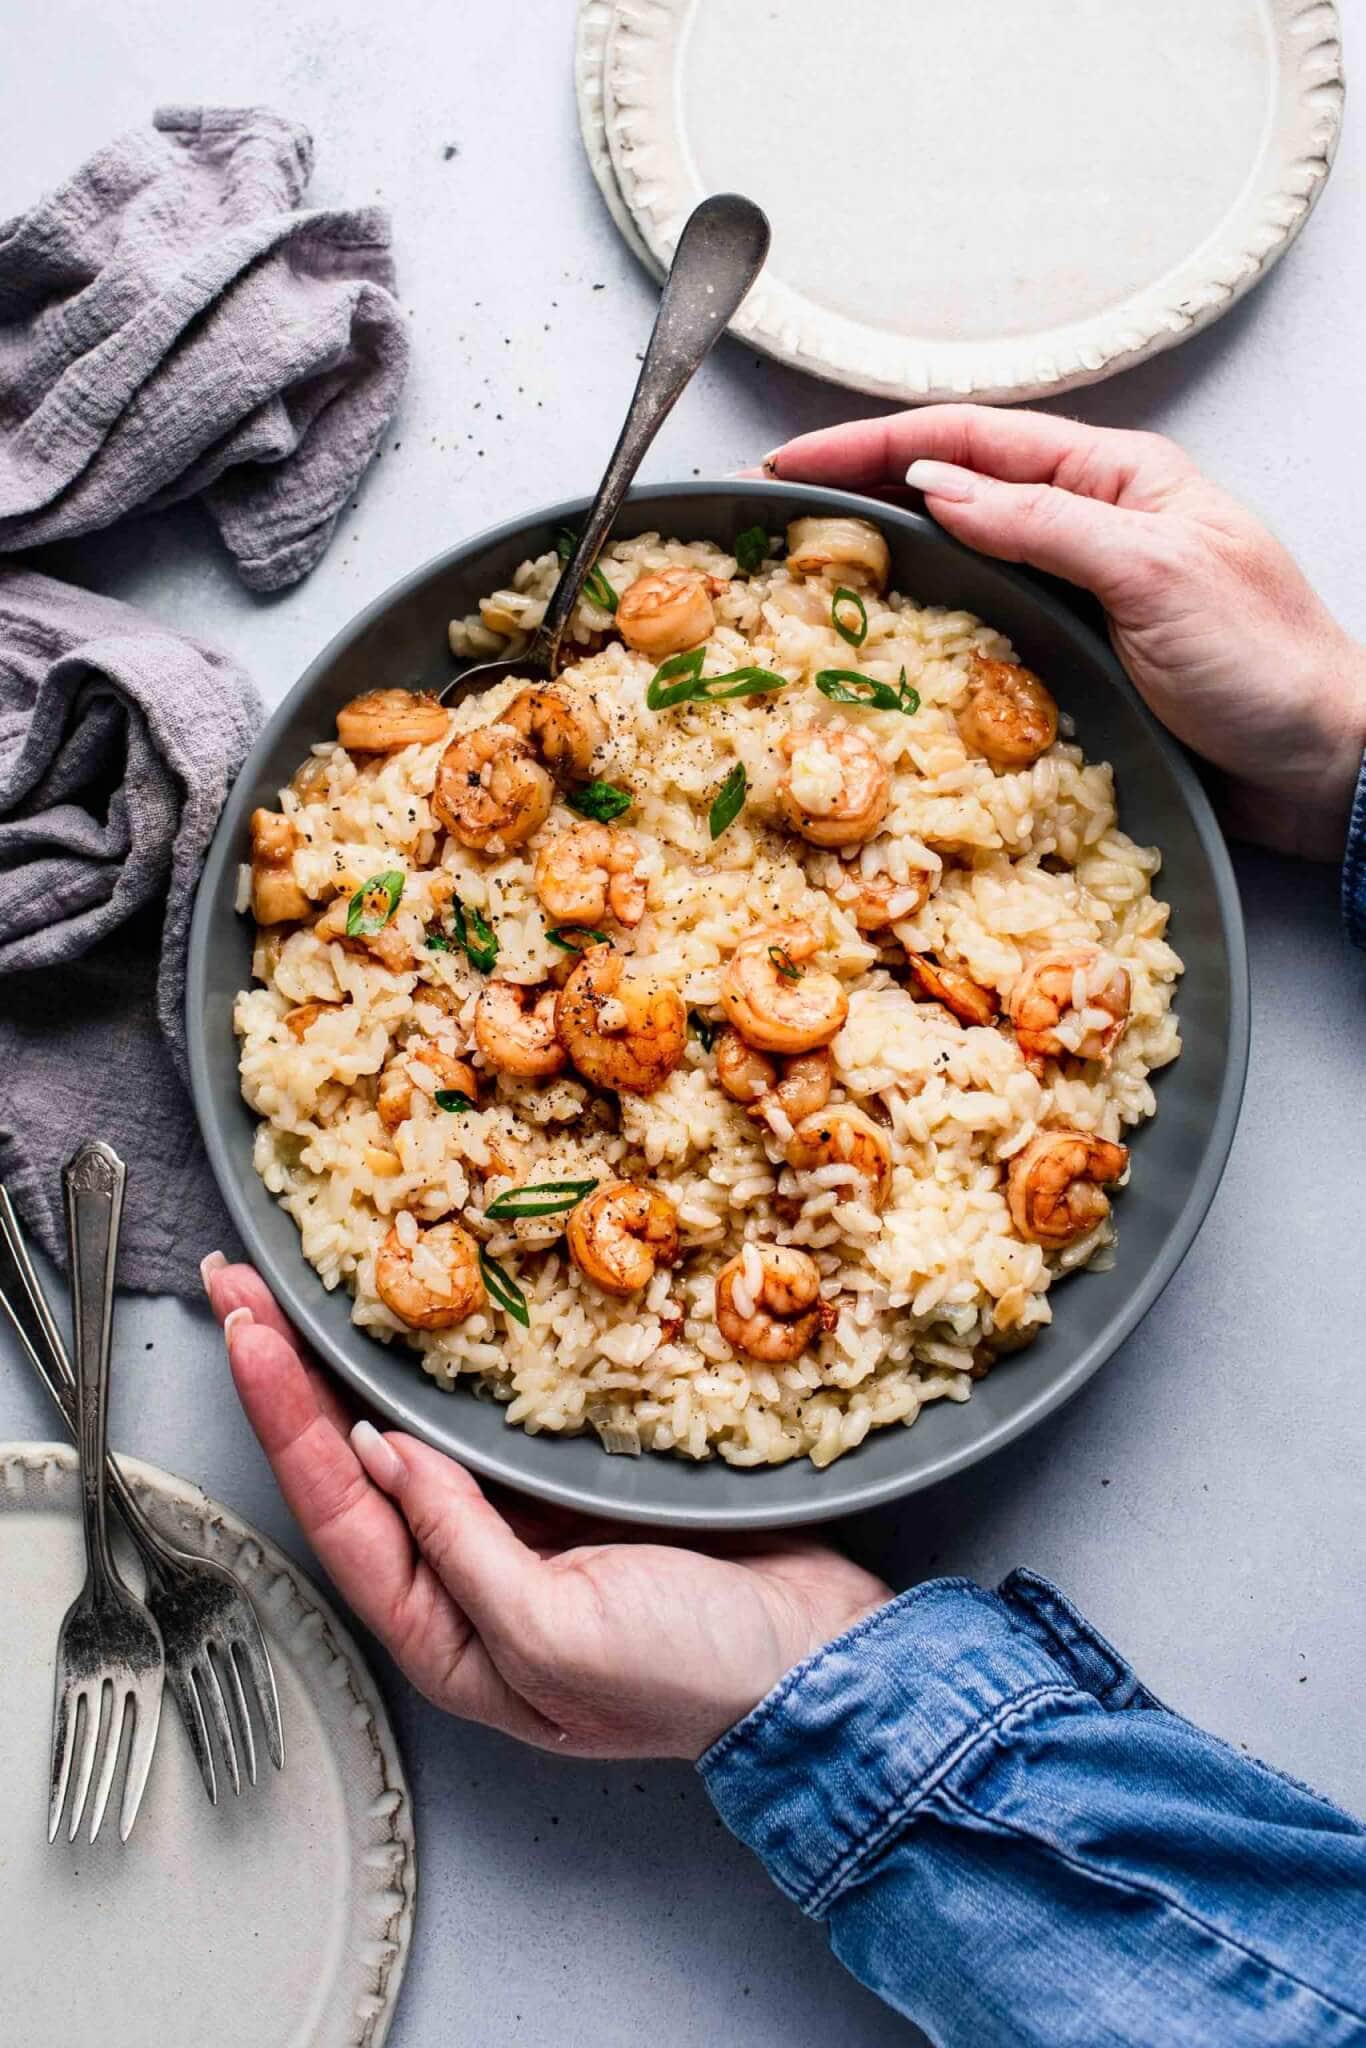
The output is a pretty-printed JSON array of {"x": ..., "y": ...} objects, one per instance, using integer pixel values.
[{"x": 752, "y": 1076}]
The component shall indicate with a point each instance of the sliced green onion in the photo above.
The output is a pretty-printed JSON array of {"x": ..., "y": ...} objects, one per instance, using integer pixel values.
[
  {"x": 437, "y": 942},
  {"x": 373, "y": 904},
  {"x": 729, "y": 800},
  {"x": 751, "y": 550},
  {"x": 855, "y": 636},
  {"x": 542, "y": 1198},
  {"x": 475, "y": 936},
  {"x": 503, "y": 1289},
  {"x": 572, "y": 938},
  {"x": 850, "y": 686},
  {"x": 675, "y": 680},
  {"x": 601, "y": 800},
  {"x": 743, "y": 682},
  {"x": 705, "y": 1029},
  {"x": 595, "y": 583},
  {"x": 453, "y": 1099},
  {"x": 785, "y": 963}
]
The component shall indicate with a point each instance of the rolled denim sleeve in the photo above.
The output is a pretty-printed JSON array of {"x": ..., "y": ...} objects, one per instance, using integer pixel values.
[
  {"x": 1013, "y": 1842},
  {"x": 1354, "y": 866}
]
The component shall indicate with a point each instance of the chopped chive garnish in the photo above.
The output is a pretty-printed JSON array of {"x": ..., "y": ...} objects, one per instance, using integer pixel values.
[
  {"x": 437, "y": 942},
  {"x": 729, "y": 801},
  {"x": 573, "y": 938},
  {"x": 373, "y": 904},
  {"x": 705, "y": 1029},
  {"x": 675, "y": 680},
  {"x": 542, "y": 1198},
  {"x": 784, "y": 963},
  {"x": 595, "y": 584},
  {"x": 453, "y": 1099},
  {"x": 855, "y": 635},
  {"x": 848, "y": 686},
  {"x": 503, "y": 1289},
  {"x": 475, "y": 936},
  {"x": 601, "y": 800},
  {"x": 751, "y": 550},
  {"x": 742, "y": 682}
]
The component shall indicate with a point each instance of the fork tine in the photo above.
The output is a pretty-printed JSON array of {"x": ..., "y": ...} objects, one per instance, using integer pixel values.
[
  {"x": 94, "y": 1714},
  {"x": 250, "y": 1644},
  {"x": 243, "y": 1714},
  {"x": 180, "y": 1678},
  {"x": 146, "y": 1705},
  {"x": 113, "y": 1743},
  {"x": 63, "y": 1740},
  {"x": 218, "y": 1714}
]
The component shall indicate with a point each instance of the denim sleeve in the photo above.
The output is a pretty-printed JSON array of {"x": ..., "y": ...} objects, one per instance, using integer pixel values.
[
  {"x": 1354, "y": 867},
  {"x": 1013, "y": 1842}
]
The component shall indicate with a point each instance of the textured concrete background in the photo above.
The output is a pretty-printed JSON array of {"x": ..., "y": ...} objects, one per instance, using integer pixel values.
[{"x": 1202, "y": 1498}]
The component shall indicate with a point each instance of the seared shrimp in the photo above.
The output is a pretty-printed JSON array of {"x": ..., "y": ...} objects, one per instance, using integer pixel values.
[
  {"x": 514, "y": 1028},
  {"x": 1055, "y": 1188},
  {"x": 768, "y": 1302},
  {"x": 383, "y": 721},
  {"x": 875, "y": 901},
  {"x": 567, "y": 735},
  {"x": 666, "y": 611},
  {"x": 394, "y": 1096},
  {"x": 836, "y": 786},
  {"x": 1009, "y": 716},
  {"x": 387, "y": 945},
  {"x": 963, "y": 997},
  {"x": 432, "y": 1281},
  {"x": 583, "y": 873},
  {"x": 1070, "y": 1002},
  {"x": 623, "y": 1031},
  {"x": 776, "y": 1002},
  {"x": 796, "y": 1086},
  {"x": 491, "y": 791},
  {"x": 844, "y": 1136},
  {"x": 851, "y": 549},
  {"x": 620, "y": 1234},
  {"x": 300, "y": 1021},
  {"x": 276, "y": 897}
]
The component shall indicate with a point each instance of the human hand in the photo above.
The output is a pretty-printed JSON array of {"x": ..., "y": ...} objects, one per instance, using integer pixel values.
[
  {"x": 531, "y": 1622},
  {"x": 1220, "y": 632}
]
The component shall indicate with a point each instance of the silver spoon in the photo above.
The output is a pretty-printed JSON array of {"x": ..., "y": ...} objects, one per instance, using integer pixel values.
[{"x": 720, "y": 253}]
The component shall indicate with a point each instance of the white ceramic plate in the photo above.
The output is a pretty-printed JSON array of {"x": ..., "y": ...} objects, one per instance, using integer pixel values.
[
  {"x": 994, "y": 199},
  {"x": 281, "y": 1918}
]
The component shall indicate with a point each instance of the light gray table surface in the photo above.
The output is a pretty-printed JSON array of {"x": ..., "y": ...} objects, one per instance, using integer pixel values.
[{"x": 1202, "y": 1498}]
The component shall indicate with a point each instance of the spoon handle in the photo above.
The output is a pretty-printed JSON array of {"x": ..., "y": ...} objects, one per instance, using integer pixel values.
[
  {"x": 720, "y": 253},
  {"x": 93, "y": 1185}
]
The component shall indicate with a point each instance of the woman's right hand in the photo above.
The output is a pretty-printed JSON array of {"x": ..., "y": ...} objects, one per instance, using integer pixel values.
[{"x": 1217, "y": 627}]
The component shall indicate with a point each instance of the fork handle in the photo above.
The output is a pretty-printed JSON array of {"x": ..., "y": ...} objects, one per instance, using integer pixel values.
[{"x": 92, "y": 1183}]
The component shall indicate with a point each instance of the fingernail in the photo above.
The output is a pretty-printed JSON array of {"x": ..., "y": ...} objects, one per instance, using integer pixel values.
[
  {"x": 942, "y": 480},
  {"x": 214, "y": 1263},
  {"x": 234, "y": 1320},
  {"x": 769, "y": 465},
  {"x": 378, "y": 1455}
]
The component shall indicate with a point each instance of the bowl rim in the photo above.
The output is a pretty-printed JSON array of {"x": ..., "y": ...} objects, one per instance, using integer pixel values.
[{"x": 832, "y": 1498}]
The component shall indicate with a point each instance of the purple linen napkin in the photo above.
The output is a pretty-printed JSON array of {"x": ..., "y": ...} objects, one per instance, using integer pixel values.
[
  {"x": 119, "y": 740},
  {"x": 172, "y": 324}
]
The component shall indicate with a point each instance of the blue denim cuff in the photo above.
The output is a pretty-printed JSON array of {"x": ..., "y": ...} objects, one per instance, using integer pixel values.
[
  {"x": 833, "y": 1761},
  {"x": 1354, "y": 866}
]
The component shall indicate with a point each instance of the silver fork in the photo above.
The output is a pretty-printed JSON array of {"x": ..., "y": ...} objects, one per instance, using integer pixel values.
[
  {"x": 108, "y": 1639},
  {"x": 206, "y": 1619}
]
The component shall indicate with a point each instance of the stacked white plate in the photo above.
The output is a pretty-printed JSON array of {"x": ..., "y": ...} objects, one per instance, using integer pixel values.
[{"x": 970, "y": 198}]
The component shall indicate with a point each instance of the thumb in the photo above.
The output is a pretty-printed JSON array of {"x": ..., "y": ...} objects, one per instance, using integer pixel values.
[{"x": 1084, "y": 540}]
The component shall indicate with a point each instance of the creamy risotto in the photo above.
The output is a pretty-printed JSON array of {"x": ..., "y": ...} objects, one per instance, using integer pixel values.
[{"x": 727, "y": 1048}]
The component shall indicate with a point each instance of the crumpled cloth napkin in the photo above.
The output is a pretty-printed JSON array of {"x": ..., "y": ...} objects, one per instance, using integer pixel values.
[
  {"x": 171, "y": 325},
  {"x": 119, "y": 740}
]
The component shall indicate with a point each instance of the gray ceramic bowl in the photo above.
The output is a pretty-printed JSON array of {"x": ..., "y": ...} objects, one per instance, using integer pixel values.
[{"x": 1178, "y": 1158}]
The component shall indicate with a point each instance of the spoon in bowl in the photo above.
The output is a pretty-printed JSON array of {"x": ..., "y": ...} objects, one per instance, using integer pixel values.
[{"x": 720, "y": 253}]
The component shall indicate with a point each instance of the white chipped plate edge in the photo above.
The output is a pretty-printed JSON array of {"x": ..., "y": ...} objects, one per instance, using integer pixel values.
[
  {"x": 627, "y": 104},
  {"x": 382, "y": 1900}
]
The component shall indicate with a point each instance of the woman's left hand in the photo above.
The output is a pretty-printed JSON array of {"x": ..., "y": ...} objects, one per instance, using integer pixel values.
[{"x": 534, "y": 1623}]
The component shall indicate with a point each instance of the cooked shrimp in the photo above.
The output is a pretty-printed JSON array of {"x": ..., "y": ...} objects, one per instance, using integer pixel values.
[
  {"x": 276, "y": 897},
  {"x": 844, "y": 1136},
  {"x": 836, "y": 786},
  {"x": 1070, "y": 1002},
  {"x": 852, "y": 549},
  {"x": 776, "y": 1002},
  {"x": 620, "y": 1234},
  {"x": 566, "y": 734},
  {"x": 963, "y": 997},
  {"x": 514, "y": 1028},
  {"x": 795, "y": 1086},
  {"x": 491, "y": 791},
  {"x": 388, "y": 944},
  {"x": 875, "y": 901},
  {"x": 1009, "y": 716},
  {"x": 1055, "y": 1188},
  {"x": 299, "y": 1022},
  {"x": 622, "y": 1031},
  {"x": 394, "y": 1096},
  {"x": 768, "y": 1302},
  {"x": 583, "y": 873},
  {"x": 383, "y": 721},
  {"x": 432, "y": 1281},
  {"x": 666, "y": 611}
]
